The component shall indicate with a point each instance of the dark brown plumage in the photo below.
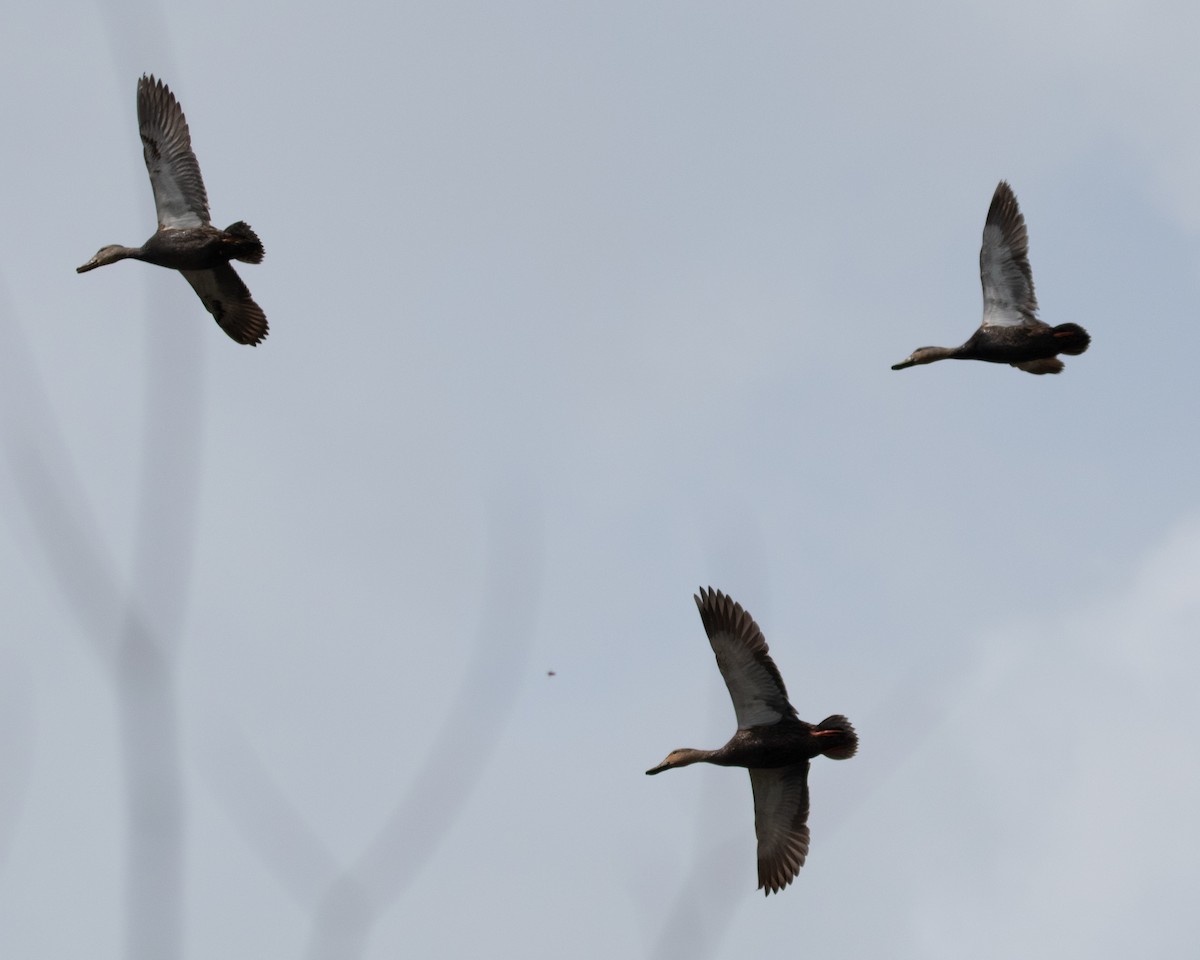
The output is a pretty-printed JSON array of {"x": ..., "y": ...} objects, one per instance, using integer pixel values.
[
  {"x": 771, "y": 742},
  {"x": 186, "y": 240},
  {"x": 1011, "y": 332}
]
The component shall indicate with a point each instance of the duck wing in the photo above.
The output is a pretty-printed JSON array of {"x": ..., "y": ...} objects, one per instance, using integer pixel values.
[
  {"x": 755, "y": 686},
  {"x": 780, "y": 823},
  {"x": 1008, "y": 297},
  {"x": 225, "y": 296},
  {"x": 179, "y": 194}
]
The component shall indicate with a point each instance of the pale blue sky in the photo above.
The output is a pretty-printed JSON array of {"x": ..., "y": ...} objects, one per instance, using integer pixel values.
[{"x": 575, "y": 308}]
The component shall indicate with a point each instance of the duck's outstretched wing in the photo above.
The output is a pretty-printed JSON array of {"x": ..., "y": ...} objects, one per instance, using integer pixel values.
[
  {"x": 755, "y": 686},
  {"x": 179, "y": 194},
  {"x": 780, "y": 823},
  {"x": 225, "y": 296},
  {"x": 1008, "y": 297}
]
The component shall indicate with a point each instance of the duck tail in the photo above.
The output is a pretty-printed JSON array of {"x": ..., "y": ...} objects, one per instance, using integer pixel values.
[
  {"x": 243, "y": 243},
  {"x": 1070, "y": 338},
  {"x": 840, "y": 735}
]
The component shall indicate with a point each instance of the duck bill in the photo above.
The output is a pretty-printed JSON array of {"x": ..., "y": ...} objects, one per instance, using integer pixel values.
[
  {"x": 659, "y": 769},
  {"x": 904, "y": 363},
  {"x": 90, "y": 265}
]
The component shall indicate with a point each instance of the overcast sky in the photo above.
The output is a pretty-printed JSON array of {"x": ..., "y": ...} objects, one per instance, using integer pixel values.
[{"x": 575, "y": 308}]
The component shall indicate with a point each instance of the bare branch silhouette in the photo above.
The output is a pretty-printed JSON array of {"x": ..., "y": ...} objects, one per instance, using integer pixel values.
[
  {"x": 439, "y": 789},
  {"x": 266, "y": 818},
  {"x": 346, "y": 903},
  {"x": 116, "y": 621},
  {"x": 143, "y": 670}
]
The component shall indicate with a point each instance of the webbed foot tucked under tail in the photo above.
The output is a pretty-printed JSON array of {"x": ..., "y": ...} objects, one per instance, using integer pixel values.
[
  {"x": 242, "y": 243},
  {"x": 1070, "y": 338},
  {"x": 838, "y": 739},
  {"x": 1046, "y": 365}
]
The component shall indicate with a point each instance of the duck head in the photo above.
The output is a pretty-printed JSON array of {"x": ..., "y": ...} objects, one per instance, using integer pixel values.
[
  {"x": 678, "y": 758},
  {"x": 105, "y": 255}
]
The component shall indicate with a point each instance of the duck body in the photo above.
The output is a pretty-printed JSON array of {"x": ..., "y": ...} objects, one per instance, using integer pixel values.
[
  {"x": 186, "y": 240},
  {"x": 1033, "y": 347},
  {"x": 771, "y": 742},
  {"x": 187, "y": 248},
  {"x": 781, "y": 744},
  {"x": 1011, "y": 331}
]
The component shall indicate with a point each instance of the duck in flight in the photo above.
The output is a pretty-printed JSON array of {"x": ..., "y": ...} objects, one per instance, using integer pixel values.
[
  {"x": 1011, "y": 332},
  {"x": 771, "y": 741},
  {"x": 186, "y": 240}
]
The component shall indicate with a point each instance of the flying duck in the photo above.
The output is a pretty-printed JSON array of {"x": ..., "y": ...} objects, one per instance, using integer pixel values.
[
  {"x": 1011, "y": 332},
  {"x": 771, "y": 741},
  {"x": 186, "y": 240}
]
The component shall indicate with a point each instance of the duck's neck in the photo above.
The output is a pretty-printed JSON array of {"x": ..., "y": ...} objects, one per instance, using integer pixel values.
[
  {"x": 687, "y": 756},
  {"x": 931, "y": 354},
  {"x": 116, "y": 253}
]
